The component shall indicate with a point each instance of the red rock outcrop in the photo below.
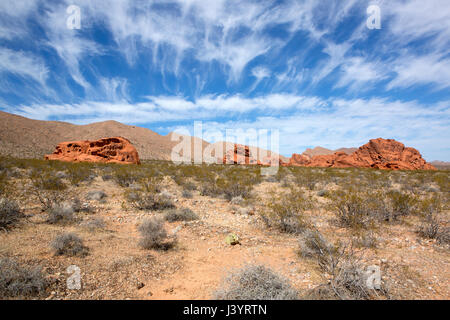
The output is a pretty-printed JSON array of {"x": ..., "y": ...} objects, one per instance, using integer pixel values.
[
  {"x": 240, "y": 155},
  {"x": 116, "y": 150},
  {"x": 378, "y": 153}
]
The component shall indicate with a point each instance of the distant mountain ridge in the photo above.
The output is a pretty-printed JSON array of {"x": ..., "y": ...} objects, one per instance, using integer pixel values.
[
  {"x": 21, "y": 137},
  {"x": 320, "y": 151}
]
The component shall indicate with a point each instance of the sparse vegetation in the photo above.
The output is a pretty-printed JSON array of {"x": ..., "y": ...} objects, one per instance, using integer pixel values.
[
  {"x": 153, "y": 235},
  {"x": 286, "y": 211},
  {"x": 379, "y": 214},
  {"x": 347, "y": 279},
  {"x": 184, "y": 214},
  {"x": 256, "y": 282},
  {"x": 10, "y": 213},
  {"x": 17, "y": 281},
  {"x": 61, "y": 213},
  {"x": 94, "y": 224},
  {"x": 69, "y": 244}
]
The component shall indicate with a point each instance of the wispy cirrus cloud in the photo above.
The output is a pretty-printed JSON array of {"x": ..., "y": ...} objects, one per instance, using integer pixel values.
[{"x": 312, "y": 68}]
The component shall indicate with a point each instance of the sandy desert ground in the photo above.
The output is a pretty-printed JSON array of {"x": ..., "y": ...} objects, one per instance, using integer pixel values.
[{"x": 317, "y": 229}]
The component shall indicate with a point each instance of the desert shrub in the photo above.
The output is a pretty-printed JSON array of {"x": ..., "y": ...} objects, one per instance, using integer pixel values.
[
  {"x": 124, "y": 178},
  {"x": 184, "y": 214},
  {"x": 153, "y": 235},
  {"x": 232, "y": 181},
  {"x": 355, "y": 209},
  {"x": 80, "y": 172},
  {"x": 79, "y": 206},
  {"x": 96, "y": 195},
  {"x": 187, "y": 194},
  {"x": 61, "y": 213},
  {"x": 237, "y": 200},
  {"x": 346, "y": 276},
  {"x": 142, "y": 200},
  {"x": 47, "y": 181},
  {"x": 93, "y": 224},
  {"x": 107, "y": 177},
  {"x": 286, "y": 211},
  {"x": 47, "y": 188},
  {"x": 10, "y": 213},
  {"x": 231, "y": 190},
  {"x": 3, "y": 182},
  {"x": 307, "y": 177},
  {"x": 365, "y": 240},
  {"x": 433, "y": 228},
  {"x": 430, "y": 206},
  {"x": 403, "y": 204},
  {"x": 349, "y": 282},
  {"x": 127, "y": 175},
  {"x": 69, "y": 244},
  {"x": 443, "y": 181},
  {"x": 20, "y": 281},
  {"x": 255, "y": 283},
  {"x": 312, "y": 244}
]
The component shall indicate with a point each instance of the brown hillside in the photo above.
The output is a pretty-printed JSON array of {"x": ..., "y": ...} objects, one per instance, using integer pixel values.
[
  {"x": 26, "y": 138},
  {"x": 21, "y": 137}
]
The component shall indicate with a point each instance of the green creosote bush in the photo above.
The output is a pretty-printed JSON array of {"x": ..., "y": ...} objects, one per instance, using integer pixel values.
[{"x": 286, "y": 211}]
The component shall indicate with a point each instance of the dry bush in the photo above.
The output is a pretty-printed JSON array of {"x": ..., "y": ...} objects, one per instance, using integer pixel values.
[
  {"x": 187, "y": 194},
  {"x": 346, "y": 276},
  {"x": 153, "y": 235},
  {"x": 150, "y": 201},
  {"x": 94, "y": 224},
  {"x": 17, "y": 281},
  {"x": 307, "y": 177},
  {"x": 433, "y": 228},
  {"x": 366, "y": 240},
  {"x": 255, "y": 283},
  {"x": 3, "y": 182},
  {"x": 148, "y": 195},
  {"x": 125, "y": 176},
  {"x": 62, "y": 213},
  {"x": 228, "y": 181},
  {"x": 96, "y": 195},
  {"x": 69, "y": 244},
  {"x": 402, "y": 204},
  {"x": 286, "y": 211},
  {"x": 312, "y": 244},
  {"x": 80, "y": 172},
  {"x": 10, "y": 213},
  {"x": 47, "y": 188},
  {"x": 353, "y": 209},
  {"x": 184, "y": 214}
]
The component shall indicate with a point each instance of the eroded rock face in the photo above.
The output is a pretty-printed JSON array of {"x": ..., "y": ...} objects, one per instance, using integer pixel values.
[
  {"x": 116, "y": 150},
  {"x": 239, "y": 155},
  {"x": 378, "y": 153}
]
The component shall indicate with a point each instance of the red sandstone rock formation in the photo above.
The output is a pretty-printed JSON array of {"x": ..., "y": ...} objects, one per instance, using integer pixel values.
[
  {"x": 239, "y": 155},
  {"x": 378, "y": 153},
  {"x": 116, "y": 149},
  {"x": 242, "y": 154}
]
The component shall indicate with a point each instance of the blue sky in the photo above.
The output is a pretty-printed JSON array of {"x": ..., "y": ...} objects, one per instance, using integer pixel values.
[{"x": 311, "y": 69}]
